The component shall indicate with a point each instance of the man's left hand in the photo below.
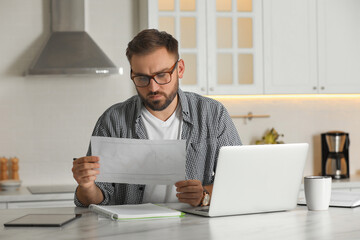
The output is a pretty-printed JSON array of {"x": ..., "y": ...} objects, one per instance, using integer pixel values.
[{"x": 189, "y": 191}]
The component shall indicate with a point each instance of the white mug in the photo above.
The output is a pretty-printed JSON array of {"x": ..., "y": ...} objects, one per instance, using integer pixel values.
[{"x": 317, "y": 192}]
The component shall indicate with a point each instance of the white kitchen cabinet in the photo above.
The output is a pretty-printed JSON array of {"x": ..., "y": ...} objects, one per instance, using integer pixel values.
[
  {"x": 290, "y": 59},
  {"x": 339, "y": 46},
  {"x": 311, "y": 46},
  {"x": 219, "y": 40},
  {"x": 290, "y": 46},
  {"x": 234, "y": 47},
  {"x": 186, "y": 21}
]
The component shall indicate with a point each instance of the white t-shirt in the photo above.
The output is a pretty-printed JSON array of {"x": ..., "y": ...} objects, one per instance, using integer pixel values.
[{"x": 161, "y": 130}]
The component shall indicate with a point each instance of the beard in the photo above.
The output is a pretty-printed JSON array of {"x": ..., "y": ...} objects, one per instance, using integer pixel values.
[{"x": 159, "y": 105}]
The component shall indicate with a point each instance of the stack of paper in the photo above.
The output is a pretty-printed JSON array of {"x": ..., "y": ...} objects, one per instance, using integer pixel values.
[
  {"x": 338, "y": 199},
  {"x": 138, "y": 211},
  {"x": 344, "y": 199}
]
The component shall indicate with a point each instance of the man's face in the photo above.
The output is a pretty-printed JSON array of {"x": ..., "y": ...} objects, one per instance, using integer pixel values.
[{"x": 154, "y": 96}]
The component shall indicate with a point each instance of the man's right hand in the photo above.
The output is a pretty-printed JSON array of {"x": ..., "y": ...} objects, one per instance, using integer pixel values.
[{"x": 85, "y": 170}]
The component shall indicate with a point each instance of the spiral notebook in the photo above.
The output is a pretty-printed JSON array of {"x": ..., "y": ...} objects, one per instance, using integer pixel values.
[{"x": 133, "y": 212}]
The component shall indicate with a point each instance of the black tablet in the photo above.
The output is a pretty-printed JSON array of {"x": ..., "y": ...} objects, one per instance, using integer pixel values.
[{"x": 42, "y": 220}]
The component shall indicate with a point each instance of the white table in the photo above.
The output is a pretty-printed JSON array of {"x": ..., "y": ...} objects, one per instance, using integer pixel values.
[{"x": 336, "y": 223}]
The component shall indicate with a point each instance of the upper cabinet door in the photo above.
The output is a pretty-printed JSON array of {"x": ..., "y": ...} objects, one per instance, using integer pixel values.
[
  {"x": 220, "y": 42},
  {"x": 234, "y": 33},
  {"x": 263, "y": 46},
  {"x": 290, "y": 58},
  {"x": 339, "y": 46},
  {"x": 185, "y": 20}
]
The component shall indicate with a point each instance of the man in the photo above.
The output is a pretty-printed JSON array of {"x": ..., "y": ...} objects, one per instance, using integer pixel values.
[{"x": 159, "y": 111}]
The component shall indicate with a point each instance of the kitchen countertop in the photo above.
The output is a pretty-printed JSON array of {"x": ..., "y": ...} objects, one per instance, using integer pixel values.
[
  {"x": 336, "y": 223},
  {"x": 23, "y": 194}
]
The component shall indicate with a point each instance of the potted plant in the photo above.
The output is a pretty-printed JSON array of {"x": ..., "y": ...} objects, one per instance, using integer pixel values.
[{"x": 270, "y": 137}]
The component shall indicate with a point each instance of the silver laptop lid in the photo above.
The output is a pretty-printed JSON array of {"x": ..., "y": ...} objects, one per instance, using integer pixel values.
[{"x": 257, "y": 178}]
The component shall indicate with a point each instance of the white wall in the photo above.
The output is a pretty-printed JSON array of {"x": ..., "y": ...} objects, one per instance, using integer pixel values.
[
  {"x": 301, "y": 120},
  {"x": 46, "y": 121}
]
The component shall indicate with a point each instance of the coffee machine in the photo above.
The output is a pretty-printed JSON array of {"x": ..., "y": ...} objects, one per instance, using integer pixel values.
[{"x": 335, "y": 154}]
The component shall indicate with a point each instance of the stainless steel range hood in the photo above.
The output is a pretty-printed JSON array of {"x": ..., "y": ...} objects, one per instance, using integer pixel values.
[{"x": 70, "y": 50}]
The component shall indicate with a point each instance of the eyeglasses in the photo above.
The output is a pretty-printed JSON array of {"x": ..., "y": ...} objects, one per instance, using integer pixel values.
[{"x": 161, "y": 78}]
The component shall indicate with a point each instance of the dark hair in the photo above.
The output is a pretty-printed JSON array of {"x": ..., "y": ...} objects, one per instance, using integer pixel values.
[{"x": 150, "y": 40}]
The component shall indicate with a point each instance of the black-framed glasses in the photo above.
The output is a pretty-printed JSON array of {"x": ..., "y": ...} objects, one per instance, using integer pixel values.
[{"x": 160, "y": 78}]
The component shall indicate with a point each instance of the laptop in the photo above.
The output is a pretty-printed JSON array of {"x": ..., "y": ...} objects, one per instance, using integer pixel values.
[{"x": 255, "y": 179}]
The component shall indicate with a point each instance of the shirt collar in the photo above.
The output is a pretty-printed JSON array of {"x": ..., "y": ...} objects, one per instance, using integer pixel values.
[
  {"x": 184, "y": 106},
  {"x": 138, "y": 108}
]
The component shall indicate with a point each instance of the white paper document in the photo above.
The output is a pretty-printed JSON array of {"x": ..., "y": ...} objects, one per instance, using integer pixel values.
[
  {"x": 339, "y": 198},
  {"x": 139, "y": 161}
]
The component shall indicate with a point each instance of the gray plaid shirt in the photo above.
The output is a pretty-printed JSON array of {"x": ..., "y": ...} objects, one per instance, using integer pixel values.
[{"x": 206, "y": 127}]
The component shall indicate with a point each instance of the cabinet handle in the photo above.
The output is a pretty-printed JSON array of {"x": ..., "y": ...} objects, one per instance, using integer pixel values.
[
  {"x": 250, "y": 116},
  {"x": 202, "y": 89},
  {"x": 314, "y": 88},
  {"x": 322, "y": 88},
  {"x": 211, "y": 89}
]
